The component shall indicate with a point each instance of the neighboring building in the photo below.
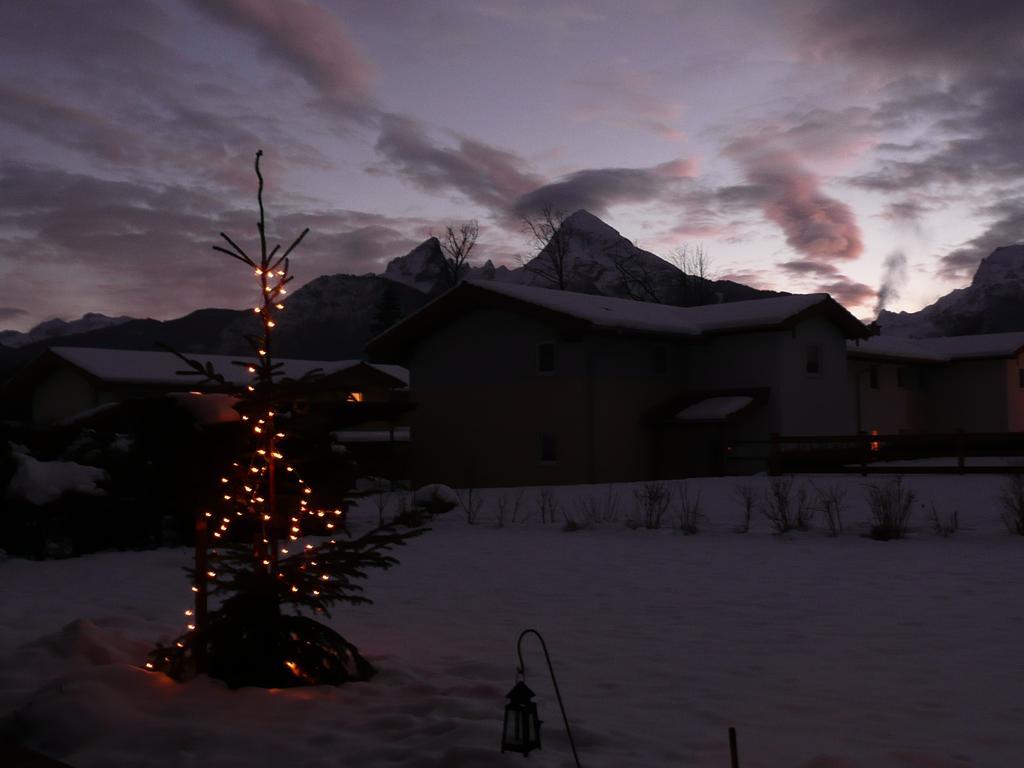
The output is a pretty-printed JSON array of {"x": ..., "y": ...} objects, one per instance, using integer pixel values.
[
  {"x": 517, "y": 385},
  {"x": 938, "y": 385},
  {"x": 65, "y": 382}
]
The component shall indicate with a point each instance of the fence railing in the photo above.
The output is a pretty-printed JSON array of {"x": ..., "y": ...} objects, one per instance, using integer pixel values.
[{"x": 869, "y": 453}]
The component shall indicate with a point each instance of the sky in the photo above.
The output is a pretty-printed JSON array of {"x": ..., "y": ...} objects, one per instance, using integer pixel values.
[{"x": 869, "y": 149}]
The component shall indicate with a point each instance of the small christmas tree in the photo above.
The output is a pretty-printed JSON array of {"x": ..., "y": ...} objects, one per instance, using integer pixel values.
[{"x": 259, "y": 568}]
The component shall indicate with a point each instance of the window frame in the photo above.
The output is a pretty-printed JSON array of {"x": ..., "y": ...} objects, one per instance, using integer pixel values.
[{"x": 544, "y": 345}]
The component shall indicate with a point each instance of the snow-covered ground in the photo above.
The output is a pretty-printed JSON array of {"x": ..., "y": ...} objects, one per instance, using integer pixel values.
[{"x": 823, "y": 652}]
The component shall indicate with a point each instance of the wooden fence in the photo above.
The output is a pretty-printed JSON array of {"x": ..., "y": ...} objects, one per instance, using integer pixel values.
[{"x": 866, "y": 453}]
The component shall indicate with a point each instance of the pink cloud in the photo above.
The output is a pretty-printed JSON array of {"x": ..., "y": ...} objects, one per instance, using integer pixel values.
[{"x": 306, "y": 37}]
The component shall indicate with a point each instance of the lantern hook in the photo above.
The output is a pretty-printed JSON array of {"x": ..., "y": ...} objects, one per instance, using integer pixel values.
[{"x": 521, "y": 675}]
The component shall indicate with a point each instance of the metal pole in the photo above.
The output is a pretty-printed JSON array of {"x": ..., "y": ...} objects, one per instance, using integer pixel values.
[
  {"x": 734, "y": 754},
  {"x": 554, "y": 682}
]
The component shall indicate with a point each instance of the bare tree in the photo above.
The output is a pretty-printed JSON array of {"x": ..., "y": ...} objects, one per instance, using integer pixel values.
[
  {"x": 641, "y": 284},
  {"x": 696, "y": 281},
  {"x": 547, "y": 233},
  {"x": 457, "y": 243}
]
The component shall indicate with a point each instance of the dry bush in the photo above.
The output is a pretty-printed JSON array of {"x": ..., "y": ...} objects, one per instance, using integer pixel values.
[
  {"x": 510, "y": 508},
  {"x": 1011, "y": 497},
  {"x": 547, "y": 505},
  {"x": 777, "y": 504},
  {"x": 748, "y": 500},
  {"x": 688, "y": 507},
  {"x": 943, "y": 527},
  {"x": 471, "y": 501},
  {"x": 830, "y": 502},
  {"x": 890, "y": 504},
  {"x": 652, "y": 502}
]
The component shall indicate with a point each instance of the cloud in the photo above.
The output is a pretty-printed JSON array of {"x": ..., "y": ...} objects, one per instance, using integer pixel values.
[
  {"x": 598, "y": 189},
  {"x": 916, "y": 34},
  {"x": 1006, "y": 229},
  {"x": 815, "y": 225},
  {"x": 10, "y": 313},
  {"x": 849, "y": 292},
  {"x": 503, "y": 182},
  {"x": 307, "y": 38},
  {"x": 37, "y": 113},
  {"x": 627, "y": 98},
  {"x": 486, "y": 175},
  {"x": 78, "y": 243}
]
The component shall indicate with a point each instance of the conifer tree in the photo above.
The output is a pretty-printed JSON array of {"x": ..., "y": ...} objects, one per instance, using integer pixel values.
[{"x": 260, "y": 568}]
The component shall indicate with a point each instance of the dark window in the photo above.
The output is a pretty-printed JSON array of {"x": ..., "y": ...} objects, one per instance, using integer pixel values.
[
  {"x": 1020, "y": 378},
  {"x": 546, "y": 357},
  {"x": 661, "y": 359},
  {"x": 922, "y": 379},
  {"x": 873, "y": 377},
  {"x": 812, "y": 362},
  {"x": 901, "y": 378},
  {"x": 548, "y": 447}
]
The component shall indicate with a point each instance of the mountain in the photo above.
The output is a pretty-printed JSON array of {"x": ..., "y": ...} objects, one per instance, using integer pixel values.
[
  {"x": 422, "y": 268},
  {"x": 329, "y": 318},
  {"x": 54, "y": 329},
  {"x": 990, "y": 304},
  {"x": 593, "y": 257}
]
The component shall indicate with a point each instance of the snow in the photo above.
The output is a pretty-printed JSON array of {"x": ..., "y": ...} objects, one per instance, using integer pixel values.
[
  {"x": 942, "y": 348},
  {"x": 895, "y": 348},
  {"x": 824, "y": 653},
  {"x": 148, "y": 367},
  {"x": 42, "y": 482},
  {"x": 396, "y": 435},
  {"x": 607, "y": 312},
  {"x": 977, "y": 346},
  {"x": 714, "y": 408}
]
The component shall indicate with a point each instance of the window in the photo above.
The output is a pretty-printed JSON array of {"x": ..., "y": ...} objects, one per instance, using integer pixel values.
[
  {"x": 354, "y": 397},
  {"x": 546, "y": 357},
  {"x": 901, "y": 378},
  {"x": 1020, "y": 378},
  {"x": 661, "y": 359},
  {"x": 812, "y": 360},
  {"x": 873, "y": 377},
  {"x": 922, "y": 380},
  {"x": 548, "y": 448}
]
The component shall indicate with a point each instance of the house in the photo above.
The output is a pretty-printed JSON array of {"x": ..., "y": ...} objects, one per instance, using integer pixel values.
[
  {"x": 65, "y": 382},
  {"x": 938, "y": 385},
  {"x": 517, "y": 385}
]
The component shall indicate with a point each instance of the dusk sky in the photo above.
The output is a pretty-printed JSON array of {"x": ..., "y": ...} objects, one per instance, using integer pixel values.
[{"x": 803, "y": 143}]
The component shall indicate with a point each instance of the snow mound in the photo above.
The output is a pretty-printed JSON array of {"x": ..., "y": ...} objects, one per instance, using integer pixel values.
[
  {"x": 438, "y": 491},
  {"x": 42, "y": 482}
]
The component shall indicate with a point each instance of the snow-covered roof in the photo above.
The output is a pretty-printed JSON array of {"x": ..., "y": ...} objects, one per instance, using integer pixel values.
[
  {"x": 607, "y": 312},
  {"x": 154, "y": 367},
  {"x": 895, "y": 348},
  {"x": 714, "y": 408},
  {"x": 941, "y": 348},
  {"x": 980, "y": 345}
]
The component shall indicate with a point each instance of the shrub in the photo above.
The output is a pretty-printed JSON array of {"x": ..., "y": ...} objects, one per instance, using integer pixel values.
[
  {"x": 891, "y": 504},
  {"x": 804, "y": 512},
  {"x": 547, "y": 505},
  {"x": 745, "y": 494},
  {"x": 830, "y": 501},
  {"x": 509, "y": 508},
  {"x": 944, "y": 528},
  {"x": 652, "y": 502},
  {"x": 470, "y": 501},
  {"x": 1011, "y": 497},
  {"x": 777, "y": 504},
  {"x": 689, "y": 510}
]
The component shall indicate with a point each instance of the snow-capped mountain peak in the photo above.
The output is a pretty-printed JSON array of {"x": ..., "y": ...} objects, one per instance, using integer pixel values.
[
  {"x": 421, "y": 268},
  {"x": 990, "y": 304}
]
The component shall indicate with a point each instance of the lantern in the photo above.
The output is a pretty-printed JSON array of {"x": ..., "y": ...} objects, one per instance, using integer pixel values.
[{"x": 522, "y": 728}]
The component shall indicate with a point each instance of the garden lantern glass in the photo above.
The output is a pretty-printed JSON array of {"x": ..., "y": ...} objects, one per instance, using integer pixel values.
[{"x": 522, "y": 727}]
